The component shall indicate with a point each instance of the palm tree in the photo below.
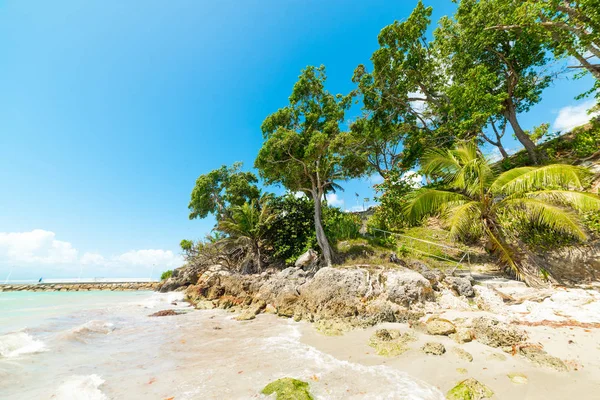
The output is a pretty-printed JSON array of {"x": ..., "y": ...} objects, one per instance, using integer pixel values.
[
  {"x": 247, "y": 226},
  {"x": 476, "y": 201}
]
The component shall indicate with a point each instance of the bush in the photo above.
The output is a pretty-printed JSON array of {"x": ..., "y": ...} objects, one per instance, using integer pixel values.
[
  {"x": 340, "y": 225},
  {"x": 166, "y": 275}
]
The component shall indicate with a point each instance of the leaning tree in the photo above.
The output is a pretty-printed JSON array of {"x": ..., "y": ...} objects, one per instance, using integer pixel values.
[{"x": 305, "y": 148}]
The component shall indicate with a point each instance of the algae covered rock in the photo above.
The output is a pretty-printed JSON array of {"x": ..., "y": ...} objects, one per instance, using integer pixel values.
[
  {"x": 440, "y": 326},
  {"x": 517, "y": 378},
  {"x": 437, "y": 349},
  {"x": 288, "y": 389},
  {"x": 332, "y": 327},
  {"x": 390, "y": 342},
  {"x": 469, "y": 389}
]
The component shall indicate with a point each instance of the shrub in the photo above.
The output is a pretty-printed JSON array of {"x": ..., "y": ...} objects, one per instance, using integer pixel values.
[{"x": 166, "y": 275}]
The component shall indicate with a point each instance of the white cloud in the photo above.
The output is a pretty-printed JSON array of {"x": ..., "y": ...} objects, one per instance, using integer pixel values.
[
  {"x": 573, "y": 116},
  {"x": 334, "y": 200},
  {"x": 37, "y": 246},
  {"x": 40, "y": 249}
]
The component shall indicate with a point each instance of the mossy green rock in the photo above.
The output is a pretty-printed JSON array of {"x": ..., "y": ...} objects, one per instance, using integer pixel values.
[
  {"x": 288, "y": 389},
  {"x": 469, "y": 389},
  {"x": 390, "y": 342}
]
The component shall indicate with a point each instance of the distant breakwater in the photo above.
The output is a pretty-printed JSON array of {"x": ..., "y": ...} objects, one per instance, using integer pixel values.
[{"x": 79, "y": 287}]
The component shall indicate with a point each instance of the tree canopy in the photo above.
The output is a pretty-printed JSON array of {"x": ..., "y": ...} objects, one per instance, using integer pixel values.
[{"x": 220, "y": 189}]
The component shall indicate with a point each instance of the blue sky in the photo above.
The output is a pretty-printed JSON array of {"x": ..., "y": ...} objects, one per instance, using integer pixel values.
[{"x": 110, "y": 110}]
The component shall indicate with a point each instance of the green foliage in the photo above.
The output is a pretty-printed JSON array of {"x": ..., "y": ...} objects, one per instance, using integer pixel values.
[
  {"x": 392, "y": 197},
  {"x": 166, "y": 275},
  {"x": 221, "y": 189},
  {"x": 292, "y": 232},
  {"x": 475, "y": 201},
  {"x": 247, "y": 228},
  {"x": 340, "y": 225}
]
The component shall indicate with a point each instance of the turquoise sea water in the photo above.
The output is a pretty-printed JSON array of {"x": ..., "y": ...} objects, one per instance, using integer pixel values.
[{"x": 22, "y": 310}]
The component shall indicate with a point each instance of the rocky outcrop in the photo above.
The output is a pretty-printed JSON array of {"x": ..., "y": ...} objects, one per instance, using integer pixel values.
[
  {"x": 182, "y": 277},
  {"x": 376, "y": 294}
]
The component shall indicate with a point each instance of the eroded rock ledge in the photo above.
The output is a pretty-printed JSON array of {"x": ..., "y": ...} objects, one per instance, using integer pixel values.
[{"x": 368, "y": 294}]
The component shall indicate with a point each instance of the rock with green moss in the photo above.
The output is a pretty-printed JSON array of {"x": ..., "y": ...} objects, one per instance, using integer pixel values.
[
  {"x": 469, "y": 389},
  {"x": 517, "y": 378},
  {"x": 332, "y": 327},
  {"x": 288, "y": 389},
  {"x": 390, "y": 342}
]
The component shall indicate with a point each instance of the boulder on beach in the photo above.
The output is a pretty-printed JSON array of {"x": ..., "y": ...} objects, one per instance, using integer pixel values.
[
  {"x": 288, "y": 389},
  {"x": 462, "y": 286},
  {"x": 164, "y": 313},
  {"x": 469, "y": 389},
  {"x": 440, "y": 326},
  {"x": 437, "y": 349}
]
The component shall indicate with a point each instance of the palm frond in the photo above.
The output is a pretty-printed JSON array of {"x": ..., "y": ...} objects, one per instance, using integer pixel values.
[
  {"x": 580, "y": 201},
  {"x": 464, "y": 220},
  {"x": 562, "y": 175},
  {"x": 426, "y": 202},
  {"x": 554, "y": 217},
  {"x": 507, "y": 177},
  {"x": 440, "y": 163}
]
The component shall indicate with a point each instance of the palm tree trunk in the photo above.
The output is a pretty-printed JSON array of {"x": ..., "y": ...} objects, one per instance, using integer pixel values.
[
  {"x": 510, "y": 256},
  {"x": 258, "y": 262},
  {"x": 321, "y": 237}
]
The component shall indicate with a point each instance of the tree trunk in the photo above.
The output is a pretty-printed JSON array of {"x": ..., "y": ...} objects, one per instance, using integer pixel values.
[
  {"x": 321, "y": 238},
  {"x": 502, "y": 150},
  {"x": 511, "y": 116}
]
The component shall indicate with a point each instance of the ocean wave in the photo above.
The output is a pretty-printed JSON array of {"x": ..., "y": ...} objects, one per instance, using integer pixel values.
[
  {"x": 161, "y": 299},
  {"x": 89, "y": 328},
  {"x": 19, "y": 343},
  {"x": 81, "y": 387}
]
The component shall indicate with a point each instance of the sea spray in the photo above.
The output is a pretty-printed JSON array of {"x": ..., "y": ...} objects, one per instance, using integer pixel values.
[
  {"x": 81, "y": 387},
  {"x": 19, "y": 343}
]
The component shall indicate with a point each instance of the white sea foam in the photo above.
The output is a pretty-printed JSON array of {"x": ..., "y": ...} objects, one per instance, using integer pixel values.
[
  {"x": 81, "y": 387},
  {"x": 161, "y": 299},
  {"x": 94, "y": 326},
  {"x": 19, "y": 343}
]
